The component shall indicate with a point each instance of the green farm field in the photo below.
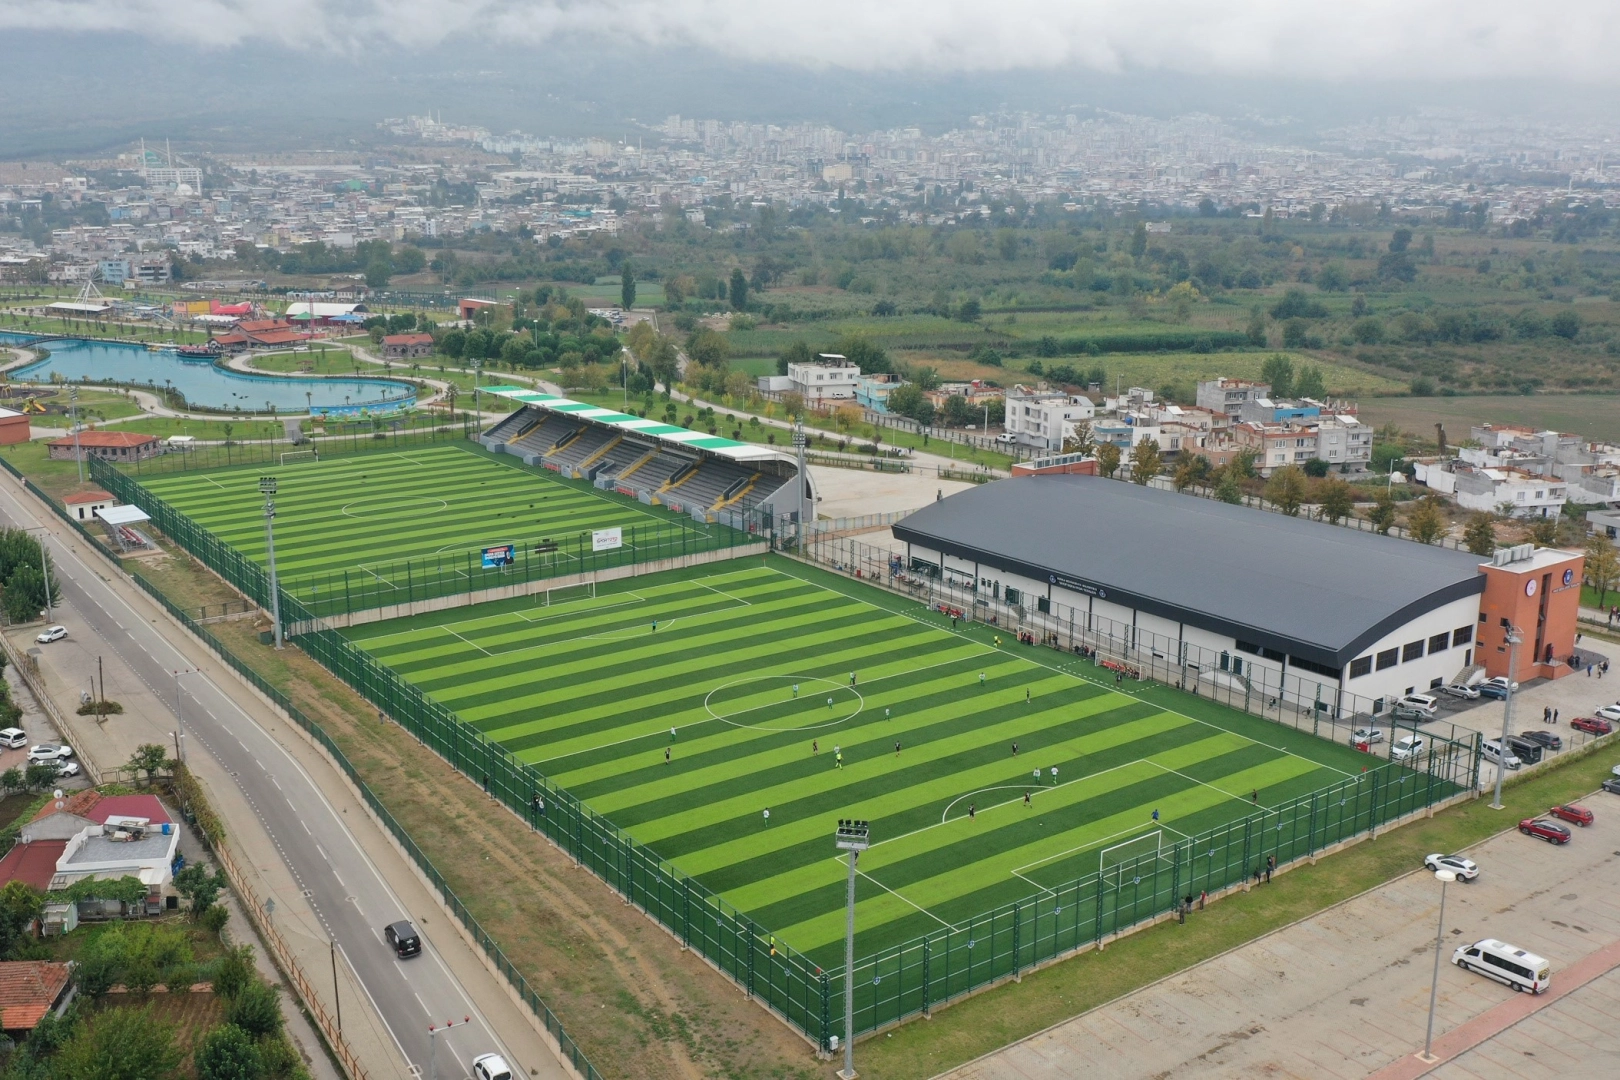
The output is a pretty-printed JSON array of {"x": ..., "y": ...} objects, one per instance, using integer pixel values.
[
  {"x": 681, "y": 706},
  {"x": 382, "y": 528}
]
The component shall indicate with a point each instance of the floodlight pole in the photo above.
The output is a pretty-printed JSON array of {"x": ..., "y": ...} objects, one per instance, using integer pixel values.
[
  {"x": 1515, "y": 638},
  {"x": 478, "y": 408},
  {"x": 853, "y": 837},
  {"x": 1445, "y": 877},
  {"x": 73, "y": 413},
  {"x": 799, "y": 443},
  {"x": 267, "y": 485}
]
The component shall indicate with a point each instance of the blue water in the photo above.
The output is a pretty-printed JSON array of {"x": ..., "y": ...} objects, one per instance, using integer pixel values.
[{"x": 204, "y": 384}]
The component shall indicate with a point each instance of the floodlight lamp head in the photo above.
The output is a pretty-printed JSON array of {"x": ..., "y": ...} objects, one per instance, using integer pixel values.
[{"x": 267, "y": 485}]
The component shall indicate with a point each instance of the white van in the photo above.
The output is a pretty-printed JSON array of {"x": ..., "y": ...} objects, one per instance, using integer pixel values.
[
  {"x": 1506, "y": 964},
  {"x": 1492, "y": 751}
]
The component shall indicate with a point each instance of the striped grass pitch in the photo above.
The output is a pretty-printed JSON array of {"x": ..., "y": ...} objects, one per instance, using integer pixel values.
[
  {"x": 750, "y": 663},
  {"x": 368, "y": 513}
]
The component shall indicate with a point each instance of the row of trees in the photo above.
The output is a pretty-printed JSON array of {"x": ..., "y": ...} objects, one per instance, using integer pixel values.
[{"x": 25, "y": 576}]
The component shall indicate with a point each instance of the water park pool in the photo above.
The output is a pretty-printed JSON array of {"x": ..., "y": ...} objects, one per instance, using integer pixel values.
[{"x": 205, "y": 384}]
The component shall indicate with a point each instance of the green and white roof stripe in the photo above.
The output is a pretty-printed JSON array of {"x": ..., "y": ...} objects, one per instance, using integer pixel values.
[{"x": 631, "y": 424}]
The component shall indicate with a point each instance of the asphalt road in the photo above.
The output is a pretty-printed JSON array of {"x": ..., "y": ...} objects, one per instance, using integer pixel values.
[{"x": 343, "y": 885}]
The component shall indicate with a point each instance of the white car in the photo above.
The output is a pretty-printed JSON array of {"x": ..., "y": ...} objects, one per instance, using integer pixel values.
[
  {"x": 13, "y": 738},
  {"x": 1465, "y": 869},
  {"x": 1610, "y": 712},
  {"x": 1416, "y": 707},
  {"x": 1461, "y": 690},
  {"x": 1492, "y": 752},
  {"x": 1406, "y": 746},
  {"x": 491, "y": 1067},
  {"x": 50, "y": 634},
  {"x": 1615, "y": 770},
  {"x": 67, "y": 768},
  {"x": 1368, "y": 735},
  {"x": 49, "y": 752}
]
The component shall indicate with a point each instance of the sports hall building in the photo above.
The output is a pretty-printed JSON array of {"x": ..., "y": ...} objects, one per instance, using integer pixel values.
[{"x": 1210, "y": 595}]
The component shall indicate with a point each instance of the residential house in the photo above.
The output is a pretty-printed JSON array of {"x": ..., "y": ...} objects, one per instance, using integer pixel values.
[
  {"x": 29, "y": 991},
  {"x": 1510, "y": 492},
  {"x": 407, "y": 346},
  {"x": 89, "y": 808},
  {"x": 107, "y": 445},
  {"x": 872, "y": 391}
]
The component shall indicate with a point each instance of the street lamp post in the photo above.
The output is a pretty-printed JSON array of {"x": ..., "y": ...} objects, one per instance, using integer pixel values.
[
  {"x": 853, "y": 837},
  {"x": 433, "y": 1044},
  {"x": 1445, "y": 877},
  {"x": 73, "y": 411},
  {"x": 179, "y": 720},
  {"x": 267, "y": 486},
  {"x": 1515, "y": 638},
  {"x": 799, "y": 441},
  {"x": 478, "y": 407}
]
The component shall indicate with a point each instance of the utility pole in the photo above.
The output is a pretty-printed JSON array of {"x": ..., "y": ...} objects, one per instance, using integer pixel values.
[
  {"x": 804, "y": 479},
  {"x": 1515, "y": 638},
  {"x": 853, "y": 837},
  {"x": 267, "y": 486},
  {"x": 337, "y": 1002},
  {"x": 179, "y": 721}
]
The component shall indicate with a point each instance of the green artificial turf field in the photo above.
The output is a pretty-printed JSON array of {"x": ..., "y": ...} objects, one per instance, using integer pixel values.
[
  {"x": 386, "y": 527},
  {"x": 751, "y": 664}
]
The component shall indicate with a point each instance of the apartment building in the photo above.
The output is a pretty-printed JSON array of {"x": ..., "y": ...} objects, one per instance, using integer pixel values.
[
  {"x": 1041, "y": 418},
  {"x": 1230, "y": 395},
  {"x": 830, "y": 378}
]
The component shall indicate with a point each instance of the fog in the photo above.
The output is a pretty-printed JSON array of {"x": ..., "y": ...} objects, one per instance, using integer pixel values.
[{"x": 1328, "y": 40}]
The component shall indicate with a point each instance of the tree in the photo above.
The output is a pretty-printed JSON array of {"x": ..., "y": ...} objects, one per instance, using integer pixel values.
[
  {"x": 120, "y": 1044},
  {"x": 627, "y": 286},
  {"x": 1229, "y": 490},
  {"x": 1146, "y": 461},
  {"x": 20, "y": 905},
  {"x": 969, "y": 310},
  {"x": 1310, "y": 383},
  {"x": 1108, "y": 459},
  {"x": 864, "y": 353},
  {"x": 149, "y": 758},
  {"x": 227, "y": 1053},
  {"x": 378, "y": 272},
  {"x": 235, "y": 971},
  {"x": 1080, "y": 441},
  {"x": 1242, "y": 464},
  {"x": 1139, "y": 240},
  {"x": 1316, "y": 468},
  {"x": 409, "y": 260},
  {"x": 1544, "y": 531},
  {"x": 739, "y": 289},
  {"x": 908, "y": 400},
  {"x": 1383, "y": 513},
  {"x": 1602, "y": 566},
  {"x": 958, "y": 413},
  {"x": 1191, "y": 469},
  {"x": 708, "y": 348},
  {"x": 796, "y": 353},
  {"x": 1479, "y": 536},
  {"x": 1333, "y": 277},
  {"x": 199, "y": 885},
  {"x": 1286, "y": 489},
  {"x": 1278, "y": 371},
  {"x": 1425, "y": 521},
  {"x": 255, "y": 1009},
  {"x": 1337, "y": 500},
  {"x": 39, "y": 775}
]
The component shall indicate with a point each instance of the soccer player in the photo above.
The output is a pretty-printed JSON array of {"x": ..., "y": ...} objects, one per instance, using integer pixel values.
[
  {"x": 1054, "y": 775},
  {"x": 838, "y": 759},
  {"x": 1155, "y": 813},
  {"x": 671, "y": 734},
  {"x": 852, "y": 680},
  {"x": 1026, "y": 695},
  {"x": 815, "y": 746},
  {"x": 767, "y": 815},
  {"x": 655, "y": 626},
  {"x": 885, "y": 712},
  {"x": 1026, "y": 793},
  {"x": 896, "y": 749},
  {"x": 666, "y": 755},
  {"x": 795, "y": 689},
  {"x": 829, "y": 701},
  {"x": 981, "y": 678},
  {"x": 1015, "y": 749},
  {"x": 972, "y": 811}
]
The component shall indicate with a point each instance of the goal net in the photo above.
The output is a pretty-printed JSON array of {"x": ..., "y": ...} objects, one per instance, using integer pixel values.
[
  {"x": 569, "y": 594},
  {"x": 299, "y": 457},
  {"x": 1138, "y": 857}
]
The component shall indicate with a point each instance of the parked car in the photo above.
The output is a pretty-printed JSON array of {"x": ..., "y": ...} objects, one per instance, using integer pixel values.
[
  {"x": 1525, "y": 750},
  {"x": 1501, "y": 682},
  {"x": 1465, "y": 869},
  {"x": 1416, "y": 707},
  {"x": 1006, "y": 438},
  {"x": 1592, "y": 725},
  {"x": 1550, "y": 831},
  {"x": 1368, "y": 735},
  {"x": 1570, "y": 812},
  {"x": 1406, "y": 746},
  {"x": 67, "y": 768},
  {"x": 1545, "y": 738},
  {"x": 491, "y": 1067},
  {"x": 1460, "y": 690},
  {"x": 13, "y": 738},
  {"x": 1610, "y": 713},
  {"x": 49, "y": 752},
  {"x": 403, "y": 938},
  {"x": 1611, "y": 785},
  {"x": 1494, "y": 754},
  {"x": 50, "y": 634}
]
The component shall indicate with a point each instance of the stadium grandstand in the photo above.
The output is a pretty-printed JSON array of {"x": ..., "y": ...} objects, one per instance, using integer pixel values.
[{"x": 709, "y": 477}]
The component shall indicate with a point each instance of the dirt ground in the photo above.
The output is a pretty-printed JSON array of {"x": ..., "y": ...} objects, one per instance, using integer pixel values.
[{"x": 625, "y": 991}]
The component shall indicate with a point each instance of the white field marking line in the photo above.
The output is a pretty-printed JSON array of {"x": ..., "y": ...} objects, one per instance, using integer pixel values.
[
  {"x": 1200, "y": 783},
  {"x": 474, "y": 644},
  {"x": 216, "y": 483},
  {"x": 379, "y": 577},
  {"x": 862, "y": 873},
  {"x": 1082, "y": 847},
  {"x": 1040, "y": 662},
  {"x": 413, "y": 461},
  {"x": 633, "y": 598}
]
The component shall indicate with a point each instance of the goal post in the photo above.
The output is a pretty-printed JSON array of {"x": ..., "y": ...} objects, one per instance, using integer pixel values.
[
  {"x": 569, "y": 594},
  {"x": 300, "y": 457},
  {"x": 1130, "y": 858}
]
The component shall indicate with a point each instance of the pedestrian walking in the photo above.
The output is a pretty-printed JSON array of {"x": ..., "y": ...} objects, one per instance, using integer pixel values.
[
  {"x": 1588, "y": 671},
  {"x": 1555, "y": 716},
  {"x": 896, "y": 749},
  {"x": 953, "y": 622},
  {"x": 1271, "y": 864},
  {"x": 1155, "y": 813},
  {"x": 1026, "y": 800},
  {"x": 1546, "y": 714},
  {"x": 767, "y": 815}
]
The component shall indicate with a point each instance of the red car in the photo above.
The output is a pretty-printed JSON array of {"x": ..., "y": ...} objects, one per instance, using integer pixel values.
[
  {"x": 1575, "y": 815},
  {"x": 1592, "y": 725},
  {"x": 1550, "y": 831}
]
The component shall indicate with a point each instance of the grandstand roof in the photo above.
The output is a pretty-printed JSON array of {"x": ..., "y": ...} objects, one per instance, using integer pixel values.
[{"x": 629, "y": 422}]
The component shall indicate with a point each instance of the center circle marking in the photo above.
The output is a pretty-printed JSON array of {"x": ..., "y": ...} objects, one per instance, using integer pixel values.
[{"x": 812, "y": 701}]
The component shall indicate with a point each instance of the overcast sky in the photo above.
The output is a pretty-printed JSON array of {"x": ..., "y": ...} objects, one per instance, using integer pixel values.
[{"x": 1333, "y": 40}]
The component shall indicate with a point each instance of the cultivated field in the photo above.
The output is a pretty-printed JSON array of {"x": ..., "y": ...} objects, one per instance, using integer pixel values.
[
  {"x": 385, "y": 527},
  {"x": 682, "y": 706}
]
